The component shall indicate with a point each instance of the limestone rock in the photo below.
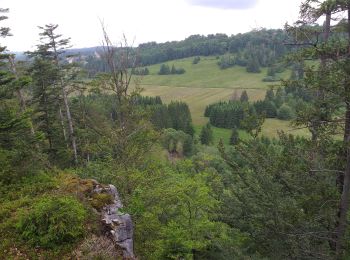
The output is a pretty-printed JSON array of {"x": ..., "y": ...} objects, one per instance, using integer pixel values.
[{"x": 119, "y": 224}]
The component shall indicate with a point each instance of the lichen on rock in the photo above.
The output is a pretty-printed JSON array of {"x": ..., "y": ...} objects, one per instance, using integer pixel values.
[{"x": 118, "y": 224}]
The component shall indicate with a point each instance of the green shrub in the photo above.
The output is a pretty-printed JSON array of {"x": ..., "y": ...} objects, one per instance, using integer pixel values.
[
  {"x": 99, "y": 200},
  {"x": 285, "y": 112},
  {"x": 177, "y": 142},
  {"x": 196, "y": 60},
  {"x": 52, "y": 222},
  {"x": 271, "y": 79}
]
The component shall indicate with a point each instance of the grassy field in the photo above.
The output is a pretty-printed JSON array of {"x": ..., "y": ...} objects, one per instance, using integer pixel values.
[
  {"x": 206, "y": 74},
  {"x": 204, "y": 83},
  {"x": 196, "y": 98},
  {"x": 221, "y": 133},
  {"x": 270, "y": 129},
  {"x": 273, "y": 126}
]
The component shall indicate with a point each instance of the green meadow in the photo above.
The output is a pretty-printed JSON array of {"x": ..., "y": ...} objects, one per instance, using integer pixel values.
[{"x": 205, "y": 83}]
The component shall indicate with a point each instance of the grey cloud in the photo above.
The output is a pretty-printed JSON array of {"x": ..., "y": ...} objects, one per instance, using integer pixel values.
[{"x": 225, "y": 4}]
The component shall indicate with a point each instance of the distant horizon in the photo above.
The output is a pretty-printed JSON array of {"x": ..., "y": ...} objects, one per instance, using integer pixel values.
[
  {"x": 136, "y": 46},
  {"x": 141, "y": 21}
]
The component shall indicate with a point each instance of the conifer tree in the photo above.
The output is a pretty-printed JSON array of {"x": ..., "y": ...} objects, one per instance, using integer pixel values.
[
  {"x": 173, "y": 69},
  {"x": 46, "y": 98},
  {"x": 253, "y": 65},
  {"x": 244, "y": 96},
  {"x": 19, "y": 153},
  {"x": 51, "y": 49},
  {"x": 329, "y": 86},
  {"x": 164, "y": 70},
  {"x": 206, "y": 135},
  {"x": 234, "y": 139}
]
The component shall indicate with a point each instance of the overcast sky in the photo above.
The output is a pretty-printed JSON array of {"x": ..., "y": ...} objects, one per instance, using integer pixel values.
[{"x": 142, "y": 20}]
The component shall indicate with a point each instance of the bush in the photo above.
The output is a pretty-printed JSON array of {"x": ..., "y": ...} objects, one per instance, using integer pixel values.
[
  {"x": 285, "y": 113},
  {"x": 52, "y": 222},
  {"x": 177, "y": 142},
  {"x": 99, "y": 200},
  {"x": 271, "y": 79},
  {"x": 196, "y": 60},
  {"x": 164, "y": 70},
  {"x": 180, "y": 71},
  {"x": 226, "y": 61}
]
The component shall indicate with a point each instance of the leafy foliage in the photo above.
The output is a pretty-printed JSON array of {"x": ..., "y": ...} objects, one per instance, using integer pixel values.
[{"x": 53, "y": 221}]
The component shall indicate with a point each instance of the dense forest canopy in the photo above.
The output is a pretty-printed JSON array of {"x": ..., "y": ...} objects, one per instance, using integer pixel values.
[{"x": 256, "y": 48}]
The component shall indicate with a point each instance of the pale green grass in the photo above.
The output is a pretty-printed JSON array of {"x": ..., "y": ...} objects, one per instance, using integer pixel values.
[
  {"x": 207, "y": 74},
  {"x": 197, "y": 98},
  {"x": 221, "y": 134},
  {"x": 204, "y": 84},
  {"x": 271, "y": 128}
]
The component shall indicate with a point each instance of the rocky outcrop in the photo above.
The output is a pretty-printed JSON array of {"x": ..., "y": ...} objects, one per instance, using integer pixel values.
[{"x": 118, "y": 224}]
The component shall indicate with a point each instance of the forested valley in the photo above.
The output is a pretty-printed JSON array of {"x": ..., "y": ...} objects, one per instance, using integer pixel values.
[{"x": 72, "y": 124}]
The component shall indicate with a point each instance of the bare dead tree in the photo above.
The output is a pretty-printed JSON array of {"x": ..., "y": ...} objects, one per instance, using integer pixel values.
[{"x": 121, "y": 60}]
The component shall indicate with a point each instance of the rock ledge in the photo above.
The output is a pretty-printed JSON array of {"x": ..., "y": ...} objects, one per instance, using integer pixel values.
[{"x": 118, "y": 224}]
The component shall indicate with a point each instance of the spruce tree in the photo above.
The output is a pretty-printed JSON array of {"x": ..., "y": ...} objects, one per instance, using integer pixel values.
[
  {"x": 234, "y": 139},
  {"x": 46, "y": 98},
  {"x": 173, "y": 69},
  {"x": 244, "y": 96},
  {"x": 253, "y": 65},
  {"x": 206, "y": 135},
  {"x": 51, "y": 49},
  {"x": 19, "y": 152},
  {"x": 164, "y": 70}
]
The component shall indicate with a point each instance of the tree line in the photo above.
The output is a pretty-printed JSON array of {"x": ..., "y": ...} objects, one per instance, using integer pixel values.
[{"x": 255, "y": 49}]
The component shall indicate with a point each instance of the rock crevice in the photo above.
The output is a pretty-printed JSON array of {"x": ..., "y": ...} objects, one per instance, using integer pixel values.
[{"x": 118, "y": 224}]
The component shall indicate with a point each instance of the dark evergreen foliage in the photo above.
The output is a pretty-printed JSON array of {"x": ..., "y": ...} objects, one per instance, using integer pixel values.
[
  {"x": 226, "y": 61},
  {"x": 226, "y": 114},
  {"x": 234, "y": 139},
  {"x": 244, "y": 96},
  {"x": 196, "y": 60},
  {"x": 206, "y": 135},
  {"x": 261, "y": 48},
  {"x": 181, "y": 117},
  {"x": 165, "y": 70}
]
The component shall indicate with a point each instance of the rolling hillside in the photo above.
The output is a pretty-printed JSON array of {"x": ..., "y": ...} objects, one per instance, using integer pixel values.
[{"x": 204, "y": 83}]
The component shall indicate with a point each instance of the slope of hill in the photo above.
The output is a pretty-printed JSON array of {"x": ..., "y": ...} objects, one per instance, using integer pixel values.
[
  {"x": 206, "y": 74},
  {"x": 204, "y": 83}
]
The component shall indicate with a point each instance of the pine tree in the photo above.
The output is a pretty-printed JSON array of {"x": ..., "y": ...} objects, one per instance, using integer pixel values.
[
  {"x": 253, "y": 65},
  {"x": 51, "y": 49},
  {"x": 270, "y": 95},
  {"x": 46, "y": 98},
  {"x": 244, "y": 96},
  {"x": 173, "y": 69},
  {"x": 234, "y": 139},
  {"x": 206, "y": 135},
  {"x": 324, "y": 84},
  {"x": 19, "y": 152},
  {"x": 164, "y": 70}
]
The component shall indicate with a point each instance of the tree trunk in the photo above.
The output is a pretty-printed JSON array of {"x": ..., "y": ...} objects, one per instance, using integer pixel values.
[
  {"x": 62, "y": 122},
  {"x": 344, "y": 200},
  {"x": 66, "y": 105},
  {"x": 70, "y": 123}
]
